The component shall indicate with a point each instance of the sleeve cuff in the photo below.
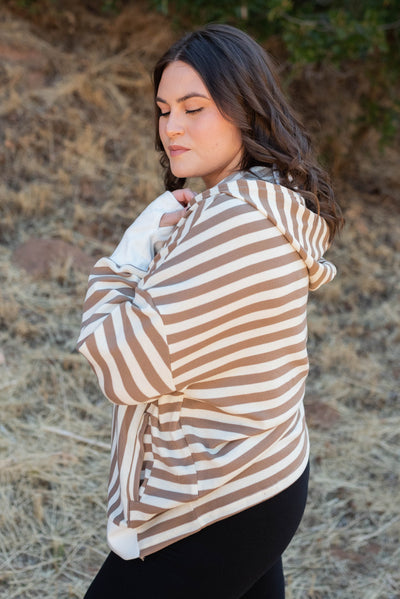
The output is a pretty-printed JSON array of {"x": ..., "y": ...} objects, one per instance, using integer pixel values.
[{"x": 144, "y": 237}]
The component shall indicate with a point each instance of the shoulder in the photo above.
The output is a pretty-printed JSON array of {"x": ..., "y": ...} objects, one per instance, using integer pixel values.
[{"x": 223, "y": 206}]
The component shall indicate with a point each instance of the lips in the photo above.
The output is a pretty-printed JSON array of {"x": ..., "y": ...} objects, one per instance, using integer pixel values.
[{"x": 177, "y": 150}]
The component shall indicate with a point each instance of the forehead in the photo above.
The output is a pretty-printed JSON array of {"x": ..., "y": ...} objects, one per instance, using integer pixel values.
[{"x": 180, "y": 79}]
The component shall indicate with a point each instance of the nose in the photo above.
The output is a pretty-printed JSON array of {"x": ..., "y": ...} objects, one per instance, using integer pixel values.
[{"x": 173, "y": 126}]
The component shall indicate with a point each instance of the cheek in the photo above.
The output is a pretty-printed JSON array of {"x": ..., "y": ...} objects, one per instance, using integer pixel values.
[
  {"x": 225, "y": 141},
  {"x": 207, "y": 136},
  {"x": 224, "y": 134}
]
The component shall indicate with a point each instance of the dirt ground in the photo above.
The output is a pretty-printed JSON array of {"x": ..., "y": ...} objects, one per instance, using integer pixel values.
[{"x": 77, "y": 165}]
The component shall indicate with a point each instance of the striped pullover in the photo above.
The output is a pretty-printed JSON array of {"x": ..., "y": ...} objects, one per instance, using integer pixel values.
[{"x": 197, "y": 334}]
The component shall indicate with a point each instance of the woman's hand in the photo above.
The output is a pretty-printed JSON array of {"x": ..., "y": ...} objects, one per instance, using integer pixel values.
[{"x": 183, "y": 196}]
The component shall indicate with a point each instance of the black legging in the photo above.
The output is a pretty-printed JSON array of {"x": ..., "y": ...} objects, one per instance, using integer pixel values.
[{"x": 236, "y": 558}]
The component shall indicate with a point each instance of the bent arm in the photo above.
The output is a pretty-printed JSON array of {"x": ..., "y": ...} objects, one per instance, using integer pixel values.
[
  {"x": 225, "y": 300},
  {"x": 138, "y": 370}
]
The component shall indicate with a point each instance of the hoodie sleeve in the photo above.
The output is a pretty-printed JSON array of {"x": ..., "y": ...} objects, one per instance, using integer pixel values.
[
  {"x": 226, "y": 292},
  {"x": 113, "y": 304}
]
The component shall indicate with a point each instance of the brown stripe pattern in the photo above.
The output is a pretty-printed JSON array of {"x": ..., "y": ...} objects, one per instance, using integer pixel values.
[{"x": 204, "y": 357}]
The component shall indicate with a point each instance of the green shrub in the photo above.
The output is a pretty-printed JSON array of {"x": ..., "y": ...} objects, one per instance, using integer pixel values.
[{"x": 341, "y": 33}]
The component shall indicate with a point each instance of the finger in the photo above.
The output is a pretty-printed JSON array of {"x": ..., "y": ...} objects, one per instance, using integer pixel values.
[
  {"x": 190, "y": 193},
  {"x": 184, "y": 195},
  {"x": 171, "y": 218}
]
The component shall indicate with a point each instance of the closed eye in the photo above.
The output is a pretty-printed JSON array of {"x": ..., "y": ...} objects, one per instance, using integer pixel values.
[{"x": 187, "y": 112}]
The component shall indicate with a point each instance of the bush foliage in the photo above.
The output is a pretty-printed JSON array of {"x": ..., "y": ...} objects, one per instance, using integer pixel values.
[
  {"x": 319, "y": 31},
  {"x": 322, "y": 32}
]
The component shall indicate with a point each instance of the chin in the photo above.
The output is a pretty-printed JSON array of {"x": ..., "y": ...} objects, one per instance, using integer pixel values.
[{"x": 181, "y": 173}]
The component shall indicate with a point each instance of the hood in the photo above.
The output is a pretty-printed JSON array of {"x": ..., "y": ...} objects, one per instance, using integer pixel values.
[{"x": 306, "y": 231}]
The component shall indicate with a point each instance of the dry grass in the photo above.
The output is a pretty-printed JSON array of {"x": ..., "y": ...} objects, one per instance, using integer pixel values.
[{"x": 78, "y": 165}]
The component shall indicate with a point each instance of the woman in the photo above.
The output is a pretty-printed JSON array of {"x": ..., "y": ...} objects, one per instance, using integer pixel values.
[{"x": 196, "y": 329}]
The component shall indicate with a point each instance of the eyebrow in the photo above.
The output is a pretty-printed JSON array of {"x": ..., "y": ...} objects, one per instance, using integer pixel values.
[{"x": 186, "y": 97}]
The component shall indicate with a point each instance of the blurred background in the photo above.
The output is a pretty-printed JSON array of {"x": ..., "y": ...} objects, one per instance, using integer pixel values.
[{"x": 77, "y": 165}]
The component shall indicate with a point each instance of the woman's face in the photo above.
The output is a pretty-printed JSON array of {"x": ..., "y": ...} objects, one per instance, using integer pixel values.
[{"x": 198, "y": 139}]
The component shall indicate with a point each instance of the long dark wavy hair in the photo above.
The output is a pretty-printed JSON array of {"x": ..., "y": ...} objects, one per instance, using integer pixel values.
[{"x": 241, "y": 79}]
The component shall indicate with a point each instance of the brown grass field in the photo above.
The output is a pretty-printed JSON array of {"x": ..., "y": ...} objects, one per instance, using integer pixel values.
[{"x": 77, "y": 165}]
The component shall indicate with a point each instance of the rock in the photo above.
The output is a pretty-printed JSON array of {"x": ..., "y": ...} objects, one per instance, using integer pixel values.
[
  {"x": 35, "y": 64},
  {"x": 39, "y": 256},
  {"x": 320, "y": 415}
]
